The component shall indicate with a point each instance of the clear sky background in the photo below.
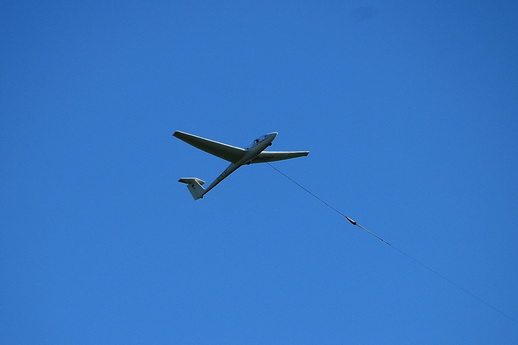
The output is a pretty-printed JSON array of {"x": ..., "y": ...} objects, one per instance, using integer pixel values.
[{"x": 409, "y": 109}]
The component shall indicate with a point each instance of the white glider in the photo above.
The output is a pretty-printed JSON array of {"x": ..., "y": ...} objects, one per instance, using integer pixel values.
[{"x": 235, "y": 155}]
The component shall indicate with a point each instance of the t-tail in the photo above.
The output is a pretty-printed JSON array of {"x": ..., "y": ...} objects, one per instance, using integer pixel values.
[{"x": 194, "y": 185}]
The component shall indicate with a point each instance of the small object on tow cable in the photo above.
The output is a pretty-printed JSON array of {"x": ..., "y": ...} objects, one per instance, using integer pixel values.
[{"x": 352, "y": 221}]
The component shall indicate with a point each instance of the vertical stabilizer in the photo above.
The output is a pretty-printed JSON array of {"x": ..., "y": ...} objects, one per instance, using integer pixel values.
[{"x": 194, "y": 185}]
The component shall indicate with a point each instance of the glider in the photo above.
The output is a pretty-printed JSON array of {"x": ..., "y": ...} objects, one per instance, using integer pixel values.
[{"x": 235, "y": 155}]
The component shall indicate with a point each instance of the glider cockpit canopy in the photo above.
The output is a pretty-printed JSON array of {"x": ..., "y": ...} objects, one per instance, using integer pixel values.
[{"x": 256, "y": 141}]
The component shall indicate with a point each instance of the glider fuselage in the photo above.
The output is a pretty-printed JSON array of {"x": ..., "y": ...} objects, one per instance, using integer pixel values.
[{"x": 252, "y": 152}]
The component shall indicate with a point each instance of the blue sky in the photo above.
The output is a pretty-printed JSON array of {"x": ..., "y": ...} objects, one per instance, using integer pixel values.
[{"x": 408, "y": 108}]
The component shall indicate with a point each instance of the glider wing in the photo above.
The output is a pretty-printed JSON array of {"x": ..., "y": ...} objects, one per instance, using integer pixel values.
[
  {"x": 224, "y": 151},
  {"x": 272, "y": 156}
]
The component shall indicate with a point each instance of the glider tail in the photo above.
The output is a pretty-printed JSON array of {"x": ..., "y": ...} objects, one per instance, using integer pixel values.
[{"x": 194, "y": 185}]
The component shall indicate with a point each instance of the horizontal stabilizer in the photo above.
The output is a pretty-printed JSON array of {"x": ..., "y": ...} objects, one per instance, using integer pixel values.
[{"x": 188, "y": 180}]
